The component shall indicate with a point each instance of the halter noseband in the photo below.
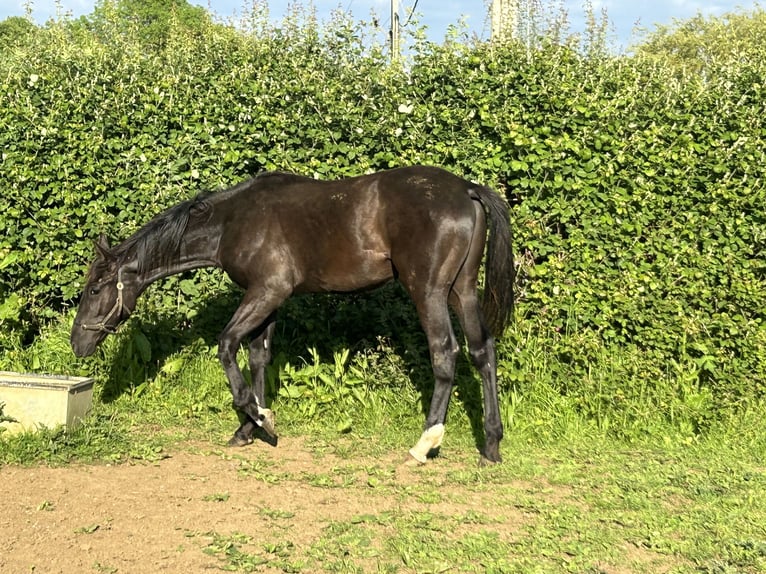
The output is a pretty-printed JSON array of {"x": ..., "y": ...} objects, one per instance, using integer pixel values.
[{"x": 117, "y": 308}]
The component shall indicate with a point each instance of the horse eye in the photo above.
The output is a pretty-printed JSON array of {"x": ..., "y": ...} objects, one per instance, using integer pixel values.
[{"x": 95, "y": 290}]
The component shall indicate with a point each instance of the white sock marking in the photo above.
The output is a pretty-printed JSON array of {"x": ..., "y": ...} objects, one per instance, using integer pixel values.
[{"x": 430, "y": 439}]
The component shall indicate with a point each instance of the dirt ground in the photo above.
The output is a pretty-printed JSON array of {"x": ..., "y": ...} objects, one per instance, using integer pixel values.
[{"x": 159, "y": 516}]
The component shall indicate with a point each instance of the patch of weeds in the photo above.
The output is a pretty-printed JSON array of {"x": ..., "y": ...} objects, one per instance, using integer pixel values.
[
  {"x": 417, "y": 541},
  {"x": 89, "y": 529},
  {"x": 148, "y": 453},
  {"x": 485, "y": 549},
  {"x": 427, "y": 493},
  {"x": 342, "y": 545},
  {"x": 276, "y": 514},
  {"x": 385, "y": 474},
  {"x": 382, "y": 519},
  {"x": 260, "y": 470},
  {"x": 351, "y": 475},
  {"x": 228, "y": 549},
  {"x": 216, "y": 497},
  {"x": 380, "y": 478},
  {"x": 487, "y": 478},
  {"x": 105, "y": 435},
  {"x": 473, "y": 517},
  {"x": 654, "y": 510},
  {"x": 282, "y": 549},
  {"x": 337, "y": 478},
  {"x": 237, "y": 552},
  {"x": 429, "y": 497}
]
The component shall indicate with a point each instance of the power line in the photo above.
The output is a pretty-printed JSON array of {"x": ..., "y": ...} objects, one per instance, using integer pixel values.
[{"x": 414, "y": 7}]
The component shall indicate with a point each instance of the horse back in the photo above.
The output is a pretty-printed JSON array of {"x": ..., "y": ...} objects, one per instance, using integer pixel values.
[{"x": 343, "y": 235}]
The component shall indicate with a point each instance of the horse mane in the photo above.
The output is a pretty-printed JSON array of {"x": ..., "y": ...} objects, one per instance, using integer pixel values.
[{"x": 157, "y": 243}]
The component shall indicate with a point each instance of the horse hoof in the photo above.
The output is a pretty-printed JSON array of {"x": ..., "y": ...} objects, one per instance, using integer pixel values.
[
  {"x": 238, "y": 441},
  {"x": 414, "y": 458},
  {"x": 484, "y": 461},
  {"x": 263, "y": 436},
  {"x": 268, "y": 423},
  {"x": 412, "y": 462}
]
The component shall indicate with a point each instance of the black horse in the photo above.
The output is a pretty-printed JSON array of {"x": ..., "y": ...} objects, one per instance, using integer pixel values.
[{"x": 279, "y": 234}]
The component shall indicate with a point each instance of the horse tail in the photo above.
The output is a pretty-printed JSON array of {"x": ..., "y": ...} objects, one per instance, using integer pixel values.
[{"x": 499, "y": 270}]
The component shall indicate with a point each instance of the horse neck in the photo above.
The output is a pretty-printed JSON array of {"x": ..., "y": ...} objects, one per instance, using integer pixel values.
[
  {"x": 193, "y": 254},
  {"x": 151, "y": 275}
]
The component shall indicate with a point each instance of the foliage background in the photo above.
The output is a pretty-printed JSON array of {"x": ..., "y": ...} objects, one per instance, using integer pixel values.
[{"x": 636, "y": 182}]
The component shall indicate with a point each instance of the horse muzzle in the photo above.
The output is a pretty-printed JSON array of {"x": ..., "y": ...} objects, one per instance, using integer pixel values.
[{"x": 85, "y": 341}]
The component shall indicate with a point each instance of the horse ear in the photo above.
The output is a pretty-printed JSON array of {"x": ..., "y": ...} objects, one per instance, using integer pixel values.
[{"x": 102, "y": 248}]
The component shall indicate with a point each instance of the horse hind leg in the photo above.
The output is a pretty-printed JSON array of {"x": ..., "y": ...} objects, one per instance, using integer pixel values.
[
  {"x": 443, "y": 349},
  {"x": 481, "y": 347},
  {"x": 464, "y": 299}
]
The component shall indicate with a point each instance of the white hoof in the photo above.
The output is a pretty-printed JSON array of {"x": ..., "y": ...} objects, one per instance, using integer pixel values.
[
  {"x": 429, "y": 440},
  {"x": 268, "y": 422}
]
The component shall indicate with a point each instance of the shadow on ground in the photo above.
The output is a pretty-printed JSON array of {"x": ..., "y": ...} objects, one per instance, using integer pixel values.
[{"x": 328, "y": 323}]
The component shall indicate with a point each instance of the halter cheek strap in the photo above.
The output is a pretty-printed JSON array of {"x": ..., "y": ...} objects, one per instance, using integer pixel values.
[{"x": 116, "y": 309}]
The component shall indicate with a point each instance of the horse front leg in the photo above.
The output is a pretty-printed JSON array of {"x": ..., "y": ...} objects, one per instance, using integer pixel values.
[
  {"x": 259, "y": 356},
  {"x": 251, "y": 316}
]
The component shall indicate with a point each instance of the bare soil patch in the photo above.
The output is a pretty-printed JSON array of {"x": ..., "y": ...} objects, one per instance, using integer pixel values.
[{"x": 160, "y": 516}]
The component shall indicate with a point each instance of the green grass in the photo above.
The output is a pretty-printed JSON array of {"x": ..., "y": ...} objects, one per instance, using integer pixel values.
[
  {"x": 575, "y": 507},
  {"x": 148, "y": 398}
]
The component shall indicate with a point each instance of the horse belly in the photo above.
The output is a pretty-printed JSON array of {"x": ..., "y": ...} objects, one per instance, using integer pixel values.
[{"x": 351, "y": 272}]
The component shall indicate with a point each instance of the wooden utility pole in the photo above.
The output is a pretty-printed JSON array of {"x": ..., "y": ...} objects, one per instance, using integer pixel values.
[
  {"x": 505, "y": 14},
  {"x": 394, "y": 34}
]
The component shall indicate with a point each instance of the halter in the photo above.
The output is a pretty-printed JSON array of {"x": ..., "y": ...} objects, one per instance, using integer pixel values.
[{"x": 117, "y": 308}]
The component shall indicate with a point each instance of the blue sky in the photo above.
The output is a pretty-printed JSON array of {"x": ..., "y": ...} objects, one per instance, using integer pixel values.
[{"x": 437, "y": 15}]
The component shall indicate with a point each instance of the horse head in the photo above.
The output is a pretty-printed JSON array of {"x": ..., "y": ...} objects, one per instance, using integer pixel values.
[{"x": 109, "y": 296}]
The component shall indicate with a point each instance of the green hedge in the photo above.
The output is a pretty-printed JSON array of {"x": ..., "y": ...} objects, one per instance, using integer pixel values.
[{"x": 637, "y": 188}]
